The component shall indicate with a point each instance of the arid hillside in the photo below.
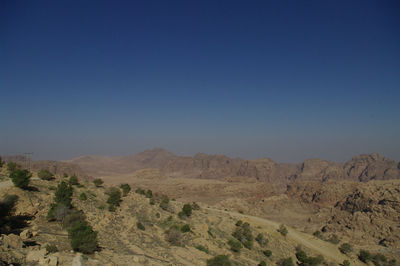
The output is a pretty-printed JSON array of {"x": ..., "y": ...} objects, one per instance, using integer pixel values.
[{"x": 147, "y": 228}]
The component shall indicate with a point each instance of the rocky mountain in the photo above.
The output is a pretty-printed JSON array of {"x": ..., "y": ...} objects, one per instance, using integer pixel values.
[{"x": 360, "y": 168}]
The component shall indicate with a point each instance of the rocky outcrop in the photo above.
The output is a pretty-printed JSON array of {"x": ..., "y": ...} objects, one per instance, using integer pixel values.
[{"x": 360, "y": 168}]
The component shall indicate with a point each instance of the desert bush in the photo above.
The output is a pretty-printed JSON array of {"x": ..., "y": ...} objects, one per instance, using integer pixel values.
[
  {"x": 187, "y": 210},
  {"x": 235, "y": 245},
  {"x": 185, "y": 228},
  {"x": 164, "y": 203},
  {"x": 98, "y": 182},
  {"x": 7, "y": 205},
  {"x": 140, "y": 191},
  {"x": 65, "y": 175},
  {"x": 1, "y": 162},
  {"x": 334, "y": 239},
  {"x": 195, "y": 206},
  {"x": 114, "y": 198},
  {"x": 261, "y": 240},
  {"x": 345, "y": 248},
  {"x": 45, "y": 174},
  {"x": 346, "y": 263},
  {"x": 219, "y": 260},
  {"x": 306, "y": 260},
  {"x": 51, "y": 248},
  {"x": 267, "y": 253},
  {"x": 244, "y": 235},
  {"x": 149, "y": 193},
  {"x": 73, "y": 180},
  {"x": 158, "y": 215},
  {"x": 63, "y": 194},
  {"x": 283, "y": 230},
  {"x": 318, "y": 234},
  {"x": 126, "y": 188},
  {"x": 11, "y": 166},
  {"x": 239, "y": 223},
  {"x": 364, "y": 256},
  {"x": 140, "y": 226},
  {"x": 285, "y": 262},
  {"x": 203, "y": 248},
  {"x": 174, "y": 236},
  {"x": 21, "y": 178},
  {"x": 262, "y": 263},
  {"x": 83, "y": 238},
  {"x": 83, "y": 196}
]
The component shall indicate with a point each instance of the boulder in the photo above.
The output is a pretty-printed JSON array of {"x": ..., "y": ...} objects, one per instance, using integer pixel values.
[
  {"x": 35, "y": 255},
  {"x": 12, "y": 241},
  {"x": 26, "y": 234}
]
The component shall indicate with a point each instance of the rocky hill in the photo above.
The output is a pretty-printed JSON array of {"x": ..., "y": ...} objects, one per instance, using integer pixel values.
[
  {"x": 142, "y": 231},
  {"x": 360, "y": 168}
]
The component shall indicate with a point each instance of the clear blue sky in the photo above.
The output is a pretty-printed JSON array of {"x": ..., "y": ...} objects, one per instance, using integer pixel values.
[{"x": 288, "y": 80}]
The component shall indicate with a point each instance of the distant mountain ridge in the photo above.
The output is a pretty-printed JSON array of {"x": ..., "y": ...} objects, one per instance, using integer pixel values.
[{"x": 361, "y": 168}]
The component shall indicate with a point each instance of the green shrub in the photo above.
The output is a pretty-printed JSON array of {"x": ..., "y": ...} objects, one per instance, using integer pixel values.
[
  {"x": 239, "y": 223},
  {"x": 185, "y": 228},
  {"x": 21, "y": 178},
  {"x": 45, "y": 174},
  {"x": 152, "y": 201},
  {"x": 262, "y": 263},
  {"x": 63, "y": 194},
  {"x": 285, "y": 262},
  {"x": 364, "y": 256},
  {"x": 244, "y": 235},
  {"x": 334, "y": 239},
  {"x": 187, "y": 210},
  {"x": 283, "y": 230},
  {"x": 126, "y": 188},
  {"x": 83, "y": 196},
  {"x": 149, "y": 193},
  {"x": 203, "y": 248},
  {"x": 235, "y": 245},
  {"x": 261, "y": 240},
  {"x": 307, "y": 261},
  {"x": 73, "y": 180},
  {"x": 114, "y": 198},
  {"x": 174, "y": 236},
  {"x": 11, "y": 166},
  {"x": 346, "y": 263},
  {"x": 345, "y": 248},
  {"x": 164, "y": 203},
  {"x": 157, "y": 215},
  {"x": 220, "y": 260},
  {"x": 267, "y": 253},
  {"x": 140, "y": 226},
  {"x": 140, "y": 191},
  {"x": 83, "y": 238},
  {"x": 65, "y": 175},
  {"x": 98, "y": 182},
  {"x": 51, "y": 248},
  {"x": 7, "y": 207}
]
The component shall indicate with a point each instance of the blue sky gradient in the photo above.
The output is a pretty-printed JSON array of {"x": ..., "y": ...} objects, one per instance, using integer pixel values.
[{"x": 289, "y": 80}]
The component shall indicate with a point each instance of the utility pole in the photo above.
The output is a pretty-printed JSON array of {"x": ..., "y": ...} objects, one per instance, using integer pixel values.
[{"x": 28, "y": 160}]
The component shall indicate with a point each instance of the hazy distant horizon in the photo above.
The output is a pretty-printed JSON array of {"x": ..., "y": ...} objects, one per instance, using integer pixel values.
[{"x": 285, "y": 80}]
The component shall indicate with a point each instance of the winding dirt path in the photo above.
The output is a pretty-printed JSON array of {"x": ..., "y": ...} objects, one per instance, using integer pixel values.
[{"x": 326, "y": 249}]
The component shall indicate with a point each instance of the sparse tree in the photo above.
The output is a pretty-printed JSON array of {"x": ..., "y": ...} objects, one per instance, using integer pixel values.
[
  {"x": 345, "y": 248},
  {"x": 235, "y": 245},
  {"x": 114, "y": 198},
  {"x": 63, "y": 194},
  {"x": 21, "y": 178},
  {"x": 164, "y": 203},
  {"x": 1, "y": 162},
  {"x": 83, "y": 238}
]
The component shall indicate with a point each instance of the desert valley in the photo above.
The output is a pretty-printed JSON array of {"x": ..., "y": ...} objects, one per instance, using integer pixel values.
[{"x": 324, "y": 206}]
